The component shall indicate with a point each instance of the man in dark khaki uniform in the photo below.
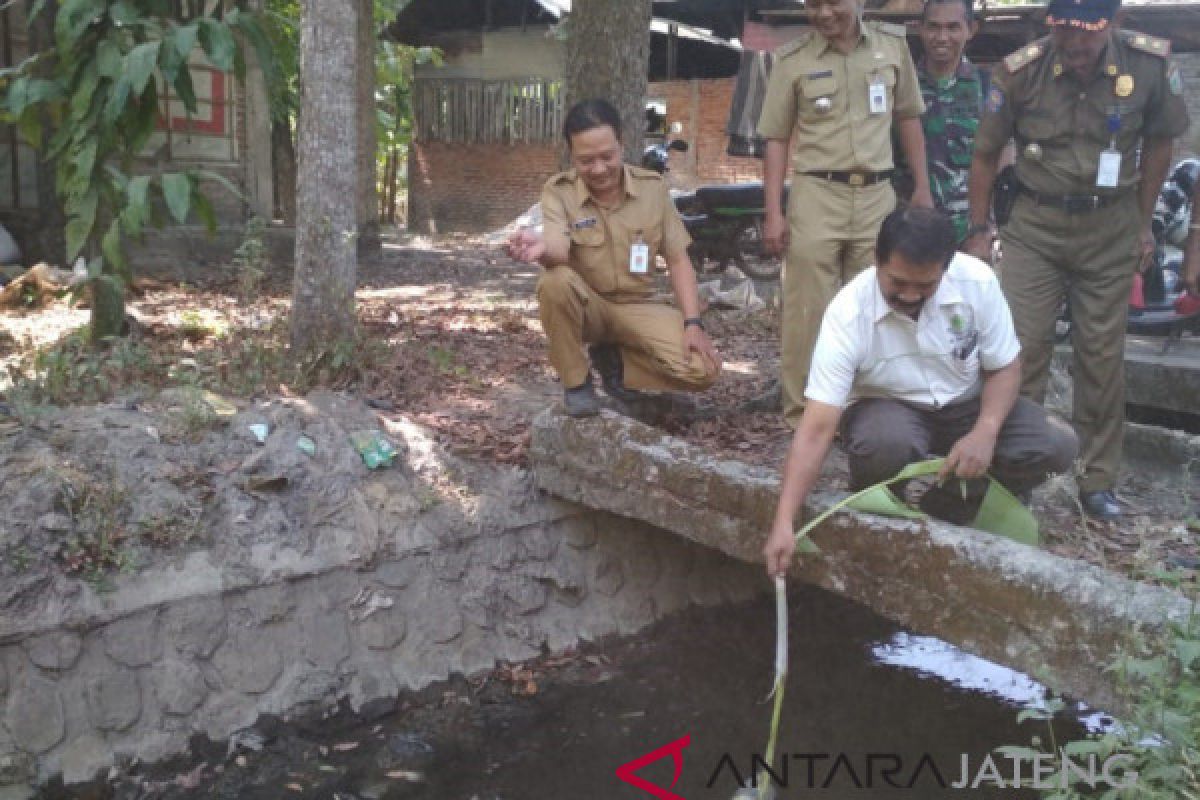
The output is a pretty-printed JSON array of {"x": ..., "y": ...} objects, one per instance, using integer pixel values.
[
  {"x": 1079, "y": 104},
  {"x": 604, "y": 224},
  {"x": 836, "y": 92}
]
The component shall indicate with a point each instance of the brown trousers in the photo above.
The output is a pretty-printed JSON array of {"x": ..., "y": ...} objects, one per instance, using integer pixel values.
[
  {"x": 1088, "y": 259},
  {"x": 882, "y": 436},
  {"x": 650, "y": 336}
]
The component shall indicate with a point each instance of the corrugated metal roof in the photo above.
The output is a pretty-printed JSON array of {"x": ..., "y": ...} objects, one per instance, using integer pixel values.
[{"x": 559, "y": 8}]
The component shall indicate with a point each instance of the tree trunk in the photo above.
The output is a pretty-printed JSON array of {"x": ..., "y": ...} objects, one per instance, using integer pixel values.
[
  {"x": 283, "y": 162},
  {"x": 368, "y": 200},
  {"x": 326, "y": 224},
  {"x": 608, "y": 56}
]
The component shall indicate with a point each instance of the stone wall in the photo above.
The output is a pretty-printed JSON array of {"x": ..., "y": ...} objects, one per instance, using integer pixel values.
[
  {"x": 344, "y": 585},
  {"x": 1058, "y": 618}
]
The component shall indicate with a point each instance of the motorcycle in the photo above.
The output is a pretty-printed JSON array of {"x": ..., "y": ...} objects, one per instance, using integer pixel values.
[{"x": 724, "y": 221}]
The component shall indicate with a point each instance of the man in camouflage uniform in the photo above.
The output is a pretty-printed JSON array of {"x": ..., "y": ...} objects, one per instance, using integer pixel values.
[
  {"x": 953, "y": 90},
  {"x": 1094, "y": 112}
]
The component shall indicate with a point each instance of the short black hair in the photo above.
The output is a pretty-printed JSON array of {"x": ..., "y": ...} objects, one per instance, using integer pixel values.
[
  {"x": 588, "y": 114},
  {"x": 968, "y": 8},
  {"x": 920, "y": 235}
]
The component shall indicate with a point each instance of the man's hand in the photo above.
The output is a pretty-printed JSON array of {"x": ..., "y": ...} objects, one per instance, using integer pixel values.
[
  {"x": 695, "y": 340},
  {"x": 1191, "y": 263},
  {"x": 775, "y": 234},
  {"x": 970, "y": 457},
  {"x": 525, "y": 244},
  {"x": 778, "y": 550},
  {"x": 979, "y": 245},
  {"x": 1144, "y": 249},
  {"x": 921, "y": 198}
]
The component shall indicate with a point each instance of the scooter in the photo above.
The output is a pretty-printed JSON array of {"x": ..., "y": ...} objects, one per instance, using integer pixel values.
[{"x": 724, "y": 221}]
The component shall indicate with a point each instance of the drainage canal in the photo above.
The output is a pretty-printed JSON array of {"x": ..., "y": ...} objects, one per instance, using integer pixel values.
[{"x": 866, "y": 703}]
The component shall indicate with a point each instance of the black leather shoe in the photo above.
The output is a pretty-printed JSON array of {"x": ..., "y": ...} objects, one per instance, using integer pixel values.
[
  {"x": 582, "y": 401},
  {"x": 1101, "y": 505},
  {"x": 606, "y": 358}
]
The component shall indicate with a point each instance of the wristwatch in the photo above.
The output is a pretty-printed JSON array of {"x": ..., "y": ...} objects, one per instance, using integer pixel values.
[{"x": 699, "y": 323}]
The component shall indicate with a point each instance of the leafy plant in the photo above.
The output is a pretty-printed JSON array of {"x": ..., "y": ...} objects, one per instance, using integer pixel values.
[
  {"x": 250, "y": 260},
  {"x": 1159, "y": 740},
  {"x": 100, "y": 88}
]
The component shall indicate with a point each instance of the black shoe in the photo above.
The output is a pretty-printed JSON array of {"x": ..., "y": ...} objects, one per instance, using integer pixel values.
[
  {"x": 582, "y": 401},
  {"x": 606, "y": 358},
  {"x": 1100, "y": 505}
]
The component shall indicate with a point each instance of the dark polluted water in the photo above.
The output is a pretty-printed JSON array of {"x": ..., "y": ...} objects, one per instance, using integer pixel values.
[{"x": 866, "y": 716}]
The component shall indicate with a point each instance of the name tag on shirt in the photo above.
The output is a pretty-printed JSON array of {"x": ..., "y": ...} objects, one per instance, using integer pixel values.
[
  {"x": 877, "y": 99},
  {"x": 1108, "y": 170},
  {"x": 639, "y": 258},
  {"x": 584, "y": 224}
]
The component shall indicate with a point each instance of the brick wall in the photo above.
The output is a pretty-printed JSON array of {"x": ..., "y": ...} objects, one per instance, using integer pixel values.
[
  {"x": 702, "y": 108},
  {"x": 481, "y": 187},
  {"x": 473, "y": 188}
]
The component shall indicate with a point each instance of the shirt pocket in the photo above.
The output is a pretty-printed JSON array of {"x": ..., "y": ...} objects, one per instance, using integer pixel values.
[
  {"x": 1038, "y": 126},
  {"x": 588, "y": 250},
  {"x": 809, "y": 94}
]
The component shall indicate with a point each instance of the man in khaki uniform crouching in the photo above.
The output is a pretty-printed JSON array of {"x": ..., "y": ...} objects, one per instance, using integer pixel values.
[
  {"x": 836, "y": 92},
  {"x": 604, "y": 223},
  {"x": 1081, "y": 104}
]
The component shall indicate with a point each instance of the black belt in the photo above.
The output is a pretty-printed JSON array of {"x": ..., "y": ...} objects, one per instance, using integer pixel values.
[
  {"x": 853, "y": 178},
  {"x": 1072, "y": 203}
]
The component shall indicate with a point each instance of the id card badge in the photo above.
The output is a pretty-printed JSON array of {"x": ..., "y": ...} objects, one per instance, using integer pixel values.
[
  {"x": 877, "y": 99},
  {"x": 639, "y": 257},
  {"x": 1108, "y": 170}
]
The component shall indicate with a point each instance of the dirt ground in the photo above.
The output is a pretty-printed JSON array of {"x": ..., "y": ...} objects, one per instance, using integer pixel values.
[{"x": 451, "y": 339}]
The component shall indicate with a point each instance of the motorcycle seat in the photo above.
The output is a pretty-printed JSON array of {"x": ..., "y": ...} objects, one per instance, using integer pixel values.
[
  {"x": 735, "y": 195},
  {"x": 746, "y": 197}
]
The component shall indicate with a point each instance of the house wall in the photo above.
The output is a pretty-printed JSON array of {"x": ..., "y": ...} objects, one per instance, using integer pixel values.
[
  {"x": 498, "y": 55},
  {"x": 701, "y": 107},
  {"x": 473, "y": 188},
  {"x": 481, "y": 187}
]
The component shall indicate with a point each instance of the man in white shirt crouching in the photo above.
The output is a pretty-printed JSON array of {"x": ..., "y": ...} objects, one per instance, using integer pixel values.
[{"x": 917, "y": 357}]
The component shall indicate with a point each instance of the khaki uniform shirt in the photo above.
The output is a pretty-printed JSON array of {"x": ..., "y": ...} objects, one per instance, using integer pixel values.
[
  {"x": 1061, "y": 124},
  {"x": 823, "y": 95},
  {"x": 601, "y": 238}
]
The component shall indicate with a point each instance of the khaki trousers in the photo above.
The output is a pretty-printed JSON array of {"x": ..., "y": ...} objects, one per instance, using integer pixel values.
[
  {"x": 832, "y": 229},
  {"x": 1089, "y": 259},
  {"x": 650, "y": 336}
]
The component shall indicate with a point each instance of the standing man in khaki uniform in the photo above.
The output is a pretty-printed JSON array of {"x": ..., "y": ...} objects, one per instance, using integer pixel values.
[
  {"x": 604, "y": 224},
  {"x": 1080, "y": 103},
  {"x": 836, "y": 92}
]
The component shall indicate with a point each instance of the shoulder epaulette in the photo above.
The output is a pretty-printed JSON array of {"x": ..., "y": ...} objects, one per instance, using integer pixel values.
[
  {"x": 644, "y": 174},
  {"x": 785, "y": 50},
  {"x": 1147, "y": 44},
  {"x": 561, "y": 178},
  {"x": 890, "y": 28},
  {"x": 1025, "y": 56}
]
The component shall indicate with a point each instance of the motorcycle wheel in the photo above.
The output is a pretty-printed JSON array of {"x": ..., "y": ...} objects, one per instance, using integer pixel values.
[{"x": 750, "y": 258}]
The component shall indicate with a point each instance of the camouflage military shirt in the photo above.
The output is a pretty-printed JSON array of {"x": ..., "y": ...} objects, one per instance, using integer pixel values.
[{"x": 953, "y": 107}]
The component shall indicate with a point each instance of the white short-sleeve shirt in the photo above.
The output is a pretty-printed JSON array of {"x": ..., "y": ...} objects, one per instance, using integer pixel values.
[{"x": 865, "y": 349}]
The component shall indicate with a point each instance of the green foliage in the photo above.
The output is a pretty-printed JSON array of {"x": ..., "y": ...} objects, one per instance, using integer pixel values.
[
  {"x": 251, "y": 261},
  {"x": 394, "y": 65},
  {"x": 1159, "y": 679},
  {"x": 99, "y": 89}
]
